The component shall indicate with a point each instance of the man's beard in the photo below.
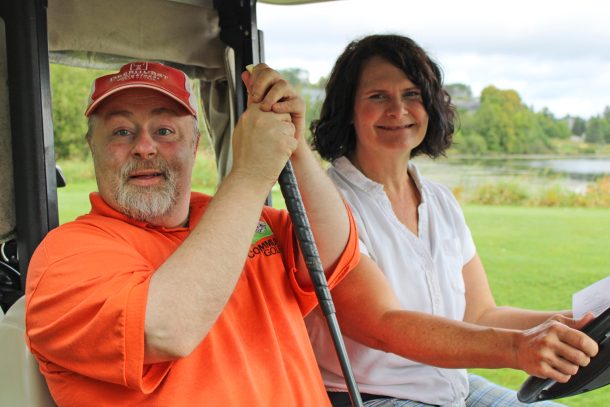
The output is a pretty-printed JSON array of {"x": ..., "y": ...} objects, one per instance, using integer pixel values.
[{"x": 145, "y": 203}]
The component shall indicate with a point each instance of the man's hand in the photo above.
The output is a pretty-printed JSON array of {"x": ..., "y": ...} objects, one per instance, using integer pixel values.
[
  {"x": 556, "y": 348},
  {"x": 262, "y": 143},
  {"x": 273, "y": 93},
  {"x": 267, "y": 133}
]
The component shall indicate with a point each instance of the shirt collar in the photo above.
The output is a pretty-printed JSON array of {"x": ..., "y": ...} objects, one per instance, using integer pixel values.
[
  {"x": 345, "y": 167},
  {"x": 101, "y": 208}
]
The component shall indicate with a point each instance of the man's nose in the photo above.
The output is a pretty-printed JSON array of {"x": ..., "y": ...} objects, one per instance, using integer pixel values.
[{"x": 144, "y": 145}]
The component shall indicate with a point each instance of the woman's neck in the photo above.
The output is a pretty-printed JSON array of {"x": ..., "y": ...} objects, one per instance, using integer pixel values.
[
  {"x": 399, "y": 187},
  {"x": 391, "y": 172}
]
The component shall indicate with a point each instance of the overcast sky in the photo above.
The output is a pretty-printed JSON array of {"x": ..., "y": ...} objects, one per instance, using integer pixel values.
[{"x": 554, "y": 53}]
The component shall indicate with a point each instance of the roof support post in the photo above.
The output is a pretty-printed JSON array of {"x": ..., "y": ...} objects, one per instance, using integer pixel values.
[{"x": 31, "y": 124}]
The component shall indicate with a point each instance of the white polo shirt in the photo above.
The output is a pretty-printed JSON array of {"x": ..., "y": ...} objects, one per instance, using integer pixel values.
[{"x": 425, "y": 273}]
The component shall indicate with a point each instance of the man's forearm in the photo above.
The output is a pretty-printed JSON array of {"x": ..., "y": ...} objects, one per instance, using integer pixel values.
[
  {"x": 326, "y": 210},
  {"x": 197, "y": 280}
]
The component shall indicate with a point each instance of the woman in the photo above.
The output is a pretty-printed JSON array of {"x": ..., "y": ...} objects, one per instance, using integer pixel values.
[{"x": 432, "y": 304}]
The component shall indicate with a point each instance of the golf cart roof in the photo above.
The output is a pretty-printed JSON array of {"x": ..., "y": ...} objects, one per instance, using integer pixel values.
[{"x": 211, "y": 40}]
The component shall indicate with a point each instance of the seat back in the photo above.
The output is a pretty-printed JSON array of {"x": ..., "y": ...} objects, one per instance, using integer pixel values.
[{"x": 21, "y": 383}]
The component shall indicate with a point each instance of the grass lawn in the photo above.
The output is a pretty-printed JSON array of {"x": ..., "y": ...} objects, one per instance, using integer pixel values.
[
  {"x": 537, "y": 258},
  {"x": 534, "y": 257}
]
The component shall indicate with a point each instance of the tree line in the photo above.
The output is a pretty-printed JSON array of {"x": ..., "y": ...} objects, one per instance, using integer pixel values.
[
  {"x": 500, "y": 122},
  {"x": 496, "y": 122}
]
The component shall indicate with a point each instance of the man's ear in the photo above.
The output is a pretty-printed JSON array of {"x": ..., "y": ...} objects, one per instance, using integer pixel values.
[
  {"x": 88, "y": 138},
  {"x": 197, "y": 144}
]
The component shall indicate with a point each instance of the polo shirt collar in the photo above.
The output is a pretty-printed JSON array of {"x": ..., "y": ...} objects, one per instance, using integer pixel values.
[{"x": 100, "y": 207}]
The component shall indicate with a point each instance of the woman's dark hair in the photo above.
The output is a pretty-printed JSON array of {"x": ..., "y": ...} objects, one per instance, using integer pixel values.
[{"x": 334, "y": 134}]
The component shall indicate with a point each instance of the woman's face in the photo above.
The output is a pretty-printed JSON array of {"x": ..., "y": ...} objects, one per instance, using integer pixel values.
[{"x": 389, "y": 115}]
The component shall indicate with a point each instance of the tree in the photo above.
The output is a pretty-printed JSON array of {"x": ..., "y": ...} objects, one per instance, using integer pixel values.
[
  {"x": 552, "y": 127},
  {"x": 297, "y": 77},
  {"x": 606, "y": 114},
  {"x": 579, "y": 126},
  {"x": 506, "y": 124},
  {"x": 70, "y": 89},
  {"x": 598, "y": 130}
]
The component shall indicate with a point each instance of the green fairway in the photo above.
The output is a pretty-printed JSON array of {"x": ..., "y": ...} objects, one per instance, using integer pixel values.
[
  {"x": 537, "y": 258},
  {"x": 534, "y": 257}
]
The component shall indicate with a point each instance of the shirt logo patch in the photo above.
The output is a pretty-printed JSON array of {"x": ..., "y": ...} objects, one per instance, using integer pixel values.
[
  {"x": 262, "y": 231},
  {"x": 263, "y": 241}
]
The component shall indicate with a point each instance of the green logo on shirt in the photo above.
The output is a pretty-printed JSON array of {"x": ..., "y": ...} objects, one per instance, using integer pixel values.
[
  {"x": 262, "y": 231},
  {"x": 261, "y": 244}
]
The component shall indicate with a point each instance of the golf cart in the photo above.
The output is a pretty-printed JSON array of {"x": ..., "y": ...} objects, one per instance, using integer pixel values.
[{"x": 211, "y": 40}]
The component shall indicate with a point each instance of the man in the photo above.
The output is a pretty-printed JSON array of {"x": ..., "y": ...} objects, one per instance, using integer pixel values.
[{"x": 165, "y": 297}]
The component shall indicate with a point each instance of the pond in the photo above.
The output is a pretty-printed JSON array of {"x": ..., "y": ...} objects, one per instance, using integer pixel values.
[{"x": 573, "y": 173}]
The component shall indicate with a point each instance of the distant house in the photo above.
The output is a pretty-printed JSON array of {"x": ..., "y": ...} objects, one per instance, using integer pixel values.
[{"x": 461, "y": 96}]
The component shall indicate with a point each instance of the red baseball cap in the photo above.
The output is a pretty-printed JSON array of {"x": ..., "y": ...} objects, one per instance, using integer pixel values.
[{"x": 152, "y": 75}]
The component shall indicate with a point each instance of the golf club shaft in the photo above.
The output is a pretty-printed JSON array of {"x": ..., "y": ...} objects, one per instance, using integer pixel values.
[{"x": 296, "y": 209}]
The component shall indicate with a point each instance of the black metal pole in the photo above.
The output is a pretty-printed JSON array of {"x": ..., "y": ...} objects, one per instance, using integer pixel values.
[
  {"x": 31, "y": 124},
  {"x": 237, "y": 20},
  {"x": 296, "y": 209}
]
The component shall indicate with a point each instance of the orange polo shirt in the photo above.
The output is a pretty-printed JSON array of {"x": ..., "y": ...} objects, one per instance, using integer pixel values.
[{"x": 86, "y": 300}]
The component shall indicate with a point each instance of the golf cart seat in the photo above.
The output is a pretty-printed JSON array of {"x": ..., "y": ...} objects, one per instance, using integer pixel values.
[{"x": 22, "y": 384}]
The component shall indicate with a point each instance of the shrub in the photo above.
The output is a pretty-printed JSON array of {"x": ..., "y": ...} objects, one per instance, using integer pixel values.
[
  {"x": 555, "y": 196},
  {"x": 598, "y": 194},
  {"x": 502, "y": 193}
]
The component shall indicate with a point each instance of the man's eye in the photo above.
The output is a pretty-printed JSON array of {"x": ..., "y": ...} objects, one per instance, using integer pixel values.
[
  {"x": 122, "y": 132},
  {"x": 164, "y": 132}
]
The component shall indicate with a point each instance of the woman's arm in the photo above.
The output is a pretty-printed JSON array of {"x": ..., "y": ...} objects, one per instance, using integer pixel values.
[{"x": 369, "y": 312}]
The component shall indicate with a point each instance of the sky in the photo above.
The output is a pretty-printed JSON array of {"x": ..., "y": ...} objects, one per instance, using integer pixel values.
[{"x": 554, "y": 53}]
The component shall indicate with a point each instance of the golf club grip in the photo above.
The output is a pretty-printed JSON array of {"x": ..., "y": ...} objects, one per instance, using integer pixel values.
[
  {"x": 300, "y": 222},
  {"x": 296, "y": 209}
]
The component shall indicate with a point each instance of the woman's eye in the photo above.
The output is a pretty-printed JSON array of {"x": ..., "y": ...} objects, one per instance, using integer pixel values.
[
  {"x": 164, "y": 132},
  {"x": 377, "y": 96},
  {"x": 412, "y": 94}
]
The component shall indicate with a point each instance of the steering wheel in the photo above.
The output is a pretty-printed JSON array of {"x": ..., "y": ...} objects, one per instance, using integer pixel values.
[{"x": 591, "y": 377}]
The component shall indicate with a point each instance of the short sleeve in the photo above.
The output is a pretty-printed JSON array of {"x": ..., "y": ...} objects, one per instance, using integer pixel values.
[
  {"x": 282, "y": 226},
  {"x": 86, "y": 291}
]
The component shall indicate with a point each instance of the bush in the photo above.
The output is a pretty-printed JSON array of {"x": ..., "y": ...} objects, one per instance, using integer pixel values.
[
  {"x": 503, "y": 193},
  {"x": 555, "y": 196},
  {"x": 597, "y": 195}
]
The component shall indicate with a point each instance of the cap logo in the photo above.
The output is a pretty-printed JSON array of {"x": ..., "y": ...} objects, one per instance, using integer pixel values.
[
  {"x": 151, "y": 75},
  {"x": 138, "y": 71}
]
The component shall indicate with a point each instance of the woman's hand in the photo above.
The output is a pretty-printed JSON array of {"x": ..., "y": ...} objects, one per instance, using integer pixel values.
[{"x": 555, "y": 349}]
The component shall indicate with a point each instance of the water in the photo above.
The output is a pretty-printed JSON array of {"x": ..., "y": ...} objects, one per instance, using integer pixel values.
[
  {"x": 573, "y": 173},
  {"x": 584, "y": 168}
]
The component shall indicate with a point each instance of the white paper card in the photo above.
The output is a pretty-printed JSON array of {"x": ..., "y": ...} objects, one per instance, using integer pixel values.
[{"x": 595, "y": 298}]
